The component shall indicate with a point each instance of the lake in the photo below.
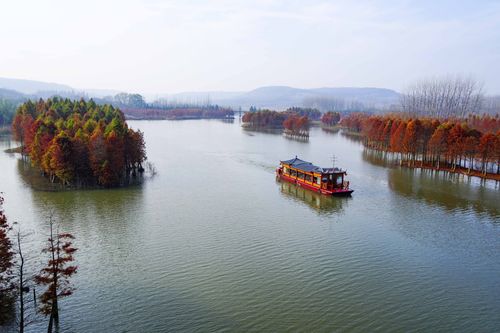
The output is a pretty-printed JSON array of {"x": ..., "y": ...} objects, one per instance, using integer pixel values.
[{"x": 214, "y": 243}]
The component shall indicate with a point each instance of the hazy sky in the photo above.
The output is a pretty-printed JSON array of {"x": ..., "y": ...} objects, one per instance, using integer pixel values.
[{"x": 151, "y": 46}]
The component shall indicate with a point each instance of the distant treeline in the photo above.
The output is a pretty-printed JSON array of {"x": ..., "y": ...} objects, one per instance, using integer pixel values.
[
  {"x": 310, "y": 113},
  {"x": 209, "y": 112},
  {"x": 79, "y": 142},
  {"x": 471, "y": 143},
  {"x": 7, "y": 110}
]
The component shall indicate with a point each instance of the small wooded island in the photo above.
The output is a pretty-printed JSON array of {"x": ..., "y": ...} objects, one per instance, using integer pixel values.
[
  {"x": 294, "y": 121},
  {"x": 79, "y": 143}
]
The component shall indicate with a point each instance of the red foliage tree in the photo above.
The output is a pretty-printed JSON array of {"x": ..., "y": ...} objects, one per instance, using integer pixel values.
[
  {"x": 296, "y": 124},
  {"x": 397, "y": 137},
  {"x": 439, "y": 143},
  {"x": 6, "y": 263},
  {"x": 330, "y": 118},
  {"x": 55, "y": 276},
  {"x": 410, "y": 140},
  {"x": 488, "y": 145},
  {"x": 6, "y": 252}
]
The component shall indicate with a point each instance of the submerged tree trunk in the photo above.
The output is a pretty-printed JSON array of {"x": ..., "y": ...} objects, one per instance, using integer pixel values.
[{"x": 49, "y": 328}]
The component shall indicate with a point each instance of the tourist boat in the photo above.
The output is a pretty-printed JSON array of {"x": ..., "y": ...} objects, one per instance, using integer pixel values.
[{"x": 329, "y": 181}]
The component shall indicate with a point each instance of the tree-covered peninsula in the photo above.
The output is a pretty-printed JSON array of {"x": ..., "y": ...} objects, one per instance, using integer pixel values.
[{"x": 78, "y": 142}]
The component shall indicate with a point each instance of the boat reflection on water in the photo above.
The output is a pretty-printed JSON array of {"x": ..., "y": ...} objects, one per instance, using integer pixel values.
[{"x": 321, "y": 204}]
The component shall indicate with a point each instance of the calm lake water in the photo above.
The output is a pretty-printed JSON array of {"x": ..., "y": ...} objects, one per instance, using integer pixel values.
[{"x": 214, "y": 243}]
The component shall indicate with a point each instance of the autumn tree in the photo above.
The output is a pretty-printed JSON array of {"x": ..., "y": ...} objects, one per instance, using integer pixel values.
[
  {"x": 135, "y": 151},
  {"x": 56, "y": 274},
  {"x": 471, "y": 144},
  {"x": 411, "y": 137},
  {"x": 487, "y": 146},
  {"x": 295, "y": 124},
  {"x": 6, "y": 265},
  {"x": 456, "y": 144},
  {"x": 397, "y": 138},
  {"x": 438, "y": 143}
]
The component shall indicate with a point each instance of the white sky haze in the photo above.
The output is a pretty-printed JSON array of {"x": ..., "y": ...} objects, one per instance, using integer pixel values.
[{"x": 153, "y": 46}]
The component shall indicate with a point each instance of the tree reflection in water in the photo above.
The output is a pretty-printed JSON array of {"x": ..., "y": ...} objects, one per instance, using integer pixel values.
[{"x": 448, "y": 190}]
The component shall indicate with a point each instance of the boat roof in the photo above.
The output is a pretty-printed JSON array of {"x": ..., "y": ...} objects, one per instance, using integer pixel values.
[{"x": 302, "y": 165}]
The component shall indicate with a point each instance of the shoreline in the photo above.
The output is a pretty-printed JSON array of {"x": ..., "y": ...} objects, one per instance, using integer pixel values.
[{"x": 457, "y": 170}]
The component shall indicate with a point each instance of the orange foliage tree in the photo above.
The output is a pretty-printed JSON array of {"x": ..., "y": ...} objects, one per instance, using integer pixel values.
[
  {"x": 55, "y": 276},
  {"x": 6, "y": 263},
  {"x": 330, "y": 118}
]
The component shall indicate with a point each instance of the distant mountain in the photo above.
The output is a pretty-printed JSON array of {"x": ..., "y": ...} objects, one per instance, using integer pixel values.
[
  {"x": 282, "y": 97},
  {"x": 196, "y": 97},
  {"x": 32, "y": 87},
  {"x": 272, "y": 97},
  {"x": 11, "y": 95},
  {"x": 39, "y": 89},
  {"x": 101, "y": 92}
]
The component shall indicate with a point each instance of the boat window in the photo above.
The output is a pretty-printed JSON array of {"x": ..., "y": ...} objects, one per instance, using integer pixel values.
[
  {"x": 285, "y": 169},
  {"x": 318, "y": 180},
  {"x": 301, "y": 175},
  {"x": 293, "y": 173},
  {"x": 309, "y": 178}
]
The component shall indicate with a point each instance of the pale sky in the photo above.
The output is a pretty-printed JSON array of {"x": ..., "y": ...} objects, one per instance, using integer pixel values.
[{"x": 153, "y": 46}]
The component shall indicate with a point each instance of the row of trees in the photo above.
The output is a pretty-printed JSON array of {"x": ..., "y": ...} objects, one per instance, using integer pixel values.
[
  {"x": 443, "y": 97},
  {"x": 54, "y": 277},
  {"x": 79, "y": 142},
  {"x": 472, "y": 143},
  {"x": 335, "y": 104},
  {"x": 310, "y": 113}
]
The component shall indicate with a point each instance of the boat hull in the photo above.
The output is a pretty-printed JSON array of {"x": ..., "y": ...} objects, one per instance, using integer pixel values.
[{"x": 298, "y": 182}]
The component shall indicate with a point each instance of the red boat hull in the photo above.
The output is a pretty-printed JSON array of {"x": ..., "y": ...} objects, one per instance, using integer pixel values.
[{"x": 298, "y": 182}]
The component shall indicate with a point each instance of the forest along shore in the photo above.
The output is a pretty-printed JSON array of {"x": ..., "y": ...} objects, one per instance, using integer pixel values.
[{"x": 469, "y": 146}]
